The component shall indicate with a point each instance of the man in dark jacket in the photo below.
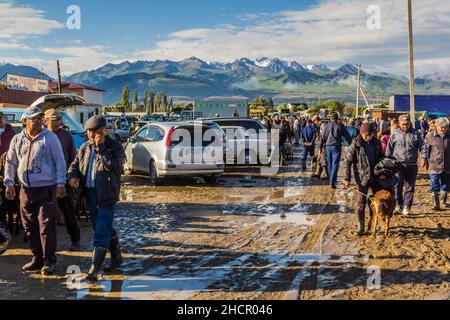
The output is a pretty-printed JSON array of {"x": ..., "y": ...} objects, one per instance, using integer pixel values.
[
  {"x": 309, "y": 142},
  {"x": 53, "y": 122},
  {"x": 332, "y": 140},
  {"x": 404, "y": 146},
  {"x": 438, "y": 144},
  {"x": 6, "y": 134},
  {"x": 97, "y": 169},
  {"x": 363, "y": 155}
]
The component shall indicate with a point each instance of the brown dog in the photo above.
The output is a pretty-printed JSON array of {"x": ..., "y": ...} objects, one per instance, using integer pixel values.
[{"x": 382, "y": 208}]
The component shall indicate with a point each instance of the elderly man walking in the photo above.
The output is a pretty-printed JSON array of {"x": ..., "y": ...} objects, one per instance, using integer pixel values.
[
  {"x": 404, "y": 146},
  {"x": 438, "y": 144},
  {"x": 37, "y": 158},
  {"x": 53, "y": 122},
  {"x": 97, "y": 169}
]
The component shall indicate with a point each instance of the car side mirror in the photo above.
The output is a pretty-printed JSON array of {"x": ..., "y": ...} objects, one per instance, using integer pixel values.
[{"x": 132, "y": 140}]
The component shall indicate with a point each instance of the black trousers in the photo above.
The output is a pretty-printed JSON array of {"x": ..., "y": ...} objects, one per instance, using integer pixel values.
[{"x": 65, "y": 205}]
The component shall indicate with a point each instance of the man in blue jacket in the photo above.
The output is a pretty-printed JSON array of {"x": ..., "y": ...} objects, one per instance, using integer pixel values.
[
  {"x": 332, "y": 140},
  {"x": 308, "y": 135}
]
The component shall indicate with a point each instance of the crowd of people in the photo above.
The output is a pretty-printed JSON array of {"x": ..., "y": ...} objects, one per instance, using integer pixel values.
[{"x": 43, "y": 171}]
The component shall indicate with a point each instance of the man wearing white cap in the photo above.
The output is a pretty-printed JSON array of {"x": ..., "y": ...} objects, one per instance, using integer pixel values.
[
  {"x": 438, "y": 144},
  {"x": 36, "y": 156}
]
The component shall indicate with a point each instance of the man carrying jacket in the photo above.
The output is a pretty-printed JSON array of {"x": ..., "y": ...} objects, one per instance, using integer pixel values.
[
  {"x": 37, "y": 158},
  {"x": 404, "y": 146},
  {"x": 363, "y": 155},
  {"x": 97, "y": 169},
  {"x": 332, "y": 140},
  {"x": 438, "y": 144}
]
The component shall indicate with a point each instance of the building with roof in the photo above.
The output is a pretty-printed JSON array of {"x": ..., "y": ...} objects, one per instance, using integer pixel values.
[
  {"x": 19, "y": 91},
  {"x": 93, "y": 97}
]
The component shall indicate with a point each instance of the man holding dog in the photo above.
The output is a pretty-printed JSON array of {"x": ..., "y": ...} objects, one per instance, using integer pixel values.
[
  {"x": 438, "y": 144},
  {"x": 363, "y": 155},
  {"x": 37, "y": 158},
  {"x": 404, "y": 146}
]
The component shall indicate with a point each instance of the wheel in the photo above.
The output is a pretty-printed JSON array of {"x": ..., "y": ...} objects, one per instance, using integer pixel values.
[
  {"x": 153, "y": 173},
  {"x": 211, "y": 179}
]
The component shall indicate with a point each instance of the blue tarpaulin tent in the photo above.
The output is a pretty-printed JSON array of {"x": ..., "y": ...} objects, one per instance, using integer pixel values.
[{"x": 433, "y": 103}]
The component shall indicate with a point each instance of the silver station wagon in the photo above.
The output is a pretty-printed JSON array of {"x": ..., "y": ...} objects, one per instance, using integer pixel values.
[{"x": 171, "y": 149}]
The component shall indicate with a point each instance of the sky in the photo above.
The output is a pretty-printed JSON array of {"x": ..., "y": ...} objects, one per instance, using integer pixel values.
[{"x": 332, "y": 32}]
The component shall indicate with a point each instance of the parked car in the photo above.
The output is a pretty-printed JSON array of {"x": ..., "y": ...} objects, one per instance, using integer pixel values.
[
  {"x": 155, "y": 149},
  {"x": 58, "y": 102},
  {"x": 121, "y": 134},
  {"x": 154, "y": 118},
  {"x": 244, "y": 137}
]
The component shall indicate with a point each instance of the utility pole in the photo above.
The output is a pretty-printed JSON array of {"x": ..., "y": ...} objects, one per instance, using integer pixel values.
[
  {"x": 411, "y": 65},
  {"x": 358, "y": 89},
  {"x": 59, "y": 77}
]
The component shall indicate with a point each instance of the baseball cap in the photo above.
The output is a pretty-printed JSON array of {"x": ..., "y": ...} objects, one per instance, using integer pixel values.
[
  {"x": 31, "y": 113},
  {"x": 52, "y": 114}
]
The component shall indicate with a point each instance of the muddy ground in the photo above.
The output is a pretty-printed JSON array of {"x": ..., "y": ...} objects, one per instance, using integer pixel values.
[{"x": 189, "y": 240}]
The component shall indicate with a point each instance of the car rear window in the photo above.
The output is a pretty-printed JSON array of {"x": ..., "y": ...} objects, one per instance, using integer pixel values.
[
  {"x": 246, "y": 124},
  {"x": 188, "y": 132}
]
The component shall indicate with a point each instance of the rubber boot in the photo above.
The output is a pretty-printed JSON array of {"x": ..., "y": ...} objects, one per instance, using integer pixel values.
[
  {"x": 98, "y": 257},
  {"x": 361, "y": 224},
  {"x": 444, "y": 197},
  {"x": 116, "y": 255},
  {"x": 436, "y": 201}
]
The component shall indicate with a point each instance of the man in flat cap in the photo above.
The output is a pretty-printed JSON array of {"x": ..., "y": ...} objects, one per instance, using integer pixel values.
[
  {"x": 53, "y": 122},
  {"x": 404, "y": 146},
  {"x": 97, "y": 170},
  {"x": 36, "y": 156},
  {"x": 438, "y": 144}
]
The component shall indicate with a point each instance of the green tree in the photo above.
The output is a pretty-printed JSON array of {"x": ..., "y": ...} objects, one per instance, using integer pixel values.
[
  {"x": 135, "y": 99},
  {"x": 152, "y": 100},
  {"x": 125, "y": 102},
  {"x": 145, "y": 102}
]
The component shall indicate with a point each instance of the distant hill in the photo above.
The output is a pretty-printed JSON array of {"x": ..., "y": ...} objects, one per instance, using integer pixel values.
[
  {"x": 20, "y": 70},
  {"x": 247, "y": 78}
]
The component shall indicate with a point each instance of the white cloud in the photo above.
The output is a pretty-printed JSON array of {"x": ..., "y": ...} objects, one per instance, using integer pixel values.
[
  {"x": 78, "y": 58},
  {"x": 332, "y": 32},
  {"x": 22, "y": 22}
]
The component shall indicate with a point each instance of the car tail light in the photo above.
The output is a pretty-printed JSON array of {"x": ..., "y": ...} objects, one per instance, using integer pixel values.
[{"x": 169, "y": 137}]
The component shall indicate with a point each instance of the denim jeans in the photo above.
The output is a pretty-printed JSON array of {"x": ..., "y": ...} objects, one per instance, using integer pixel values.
[
  {"x": 440, "y": 182},
  {"x": 102, "y": 220},
  {"x": 333, "y": 161},
  {"x": 307, "y": 151}
]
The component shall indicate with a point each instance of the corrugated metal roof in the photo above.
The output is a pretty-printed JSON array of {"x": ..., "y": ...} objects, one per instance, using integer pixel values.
[
  {"x": 19, "y": 97},
  {"x": 72, "y": 85}
]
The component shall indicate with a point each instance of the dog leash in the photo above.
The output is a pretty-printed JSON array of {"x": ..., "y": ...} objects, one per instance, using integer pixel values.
[{"x": 363, "y": 194}]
